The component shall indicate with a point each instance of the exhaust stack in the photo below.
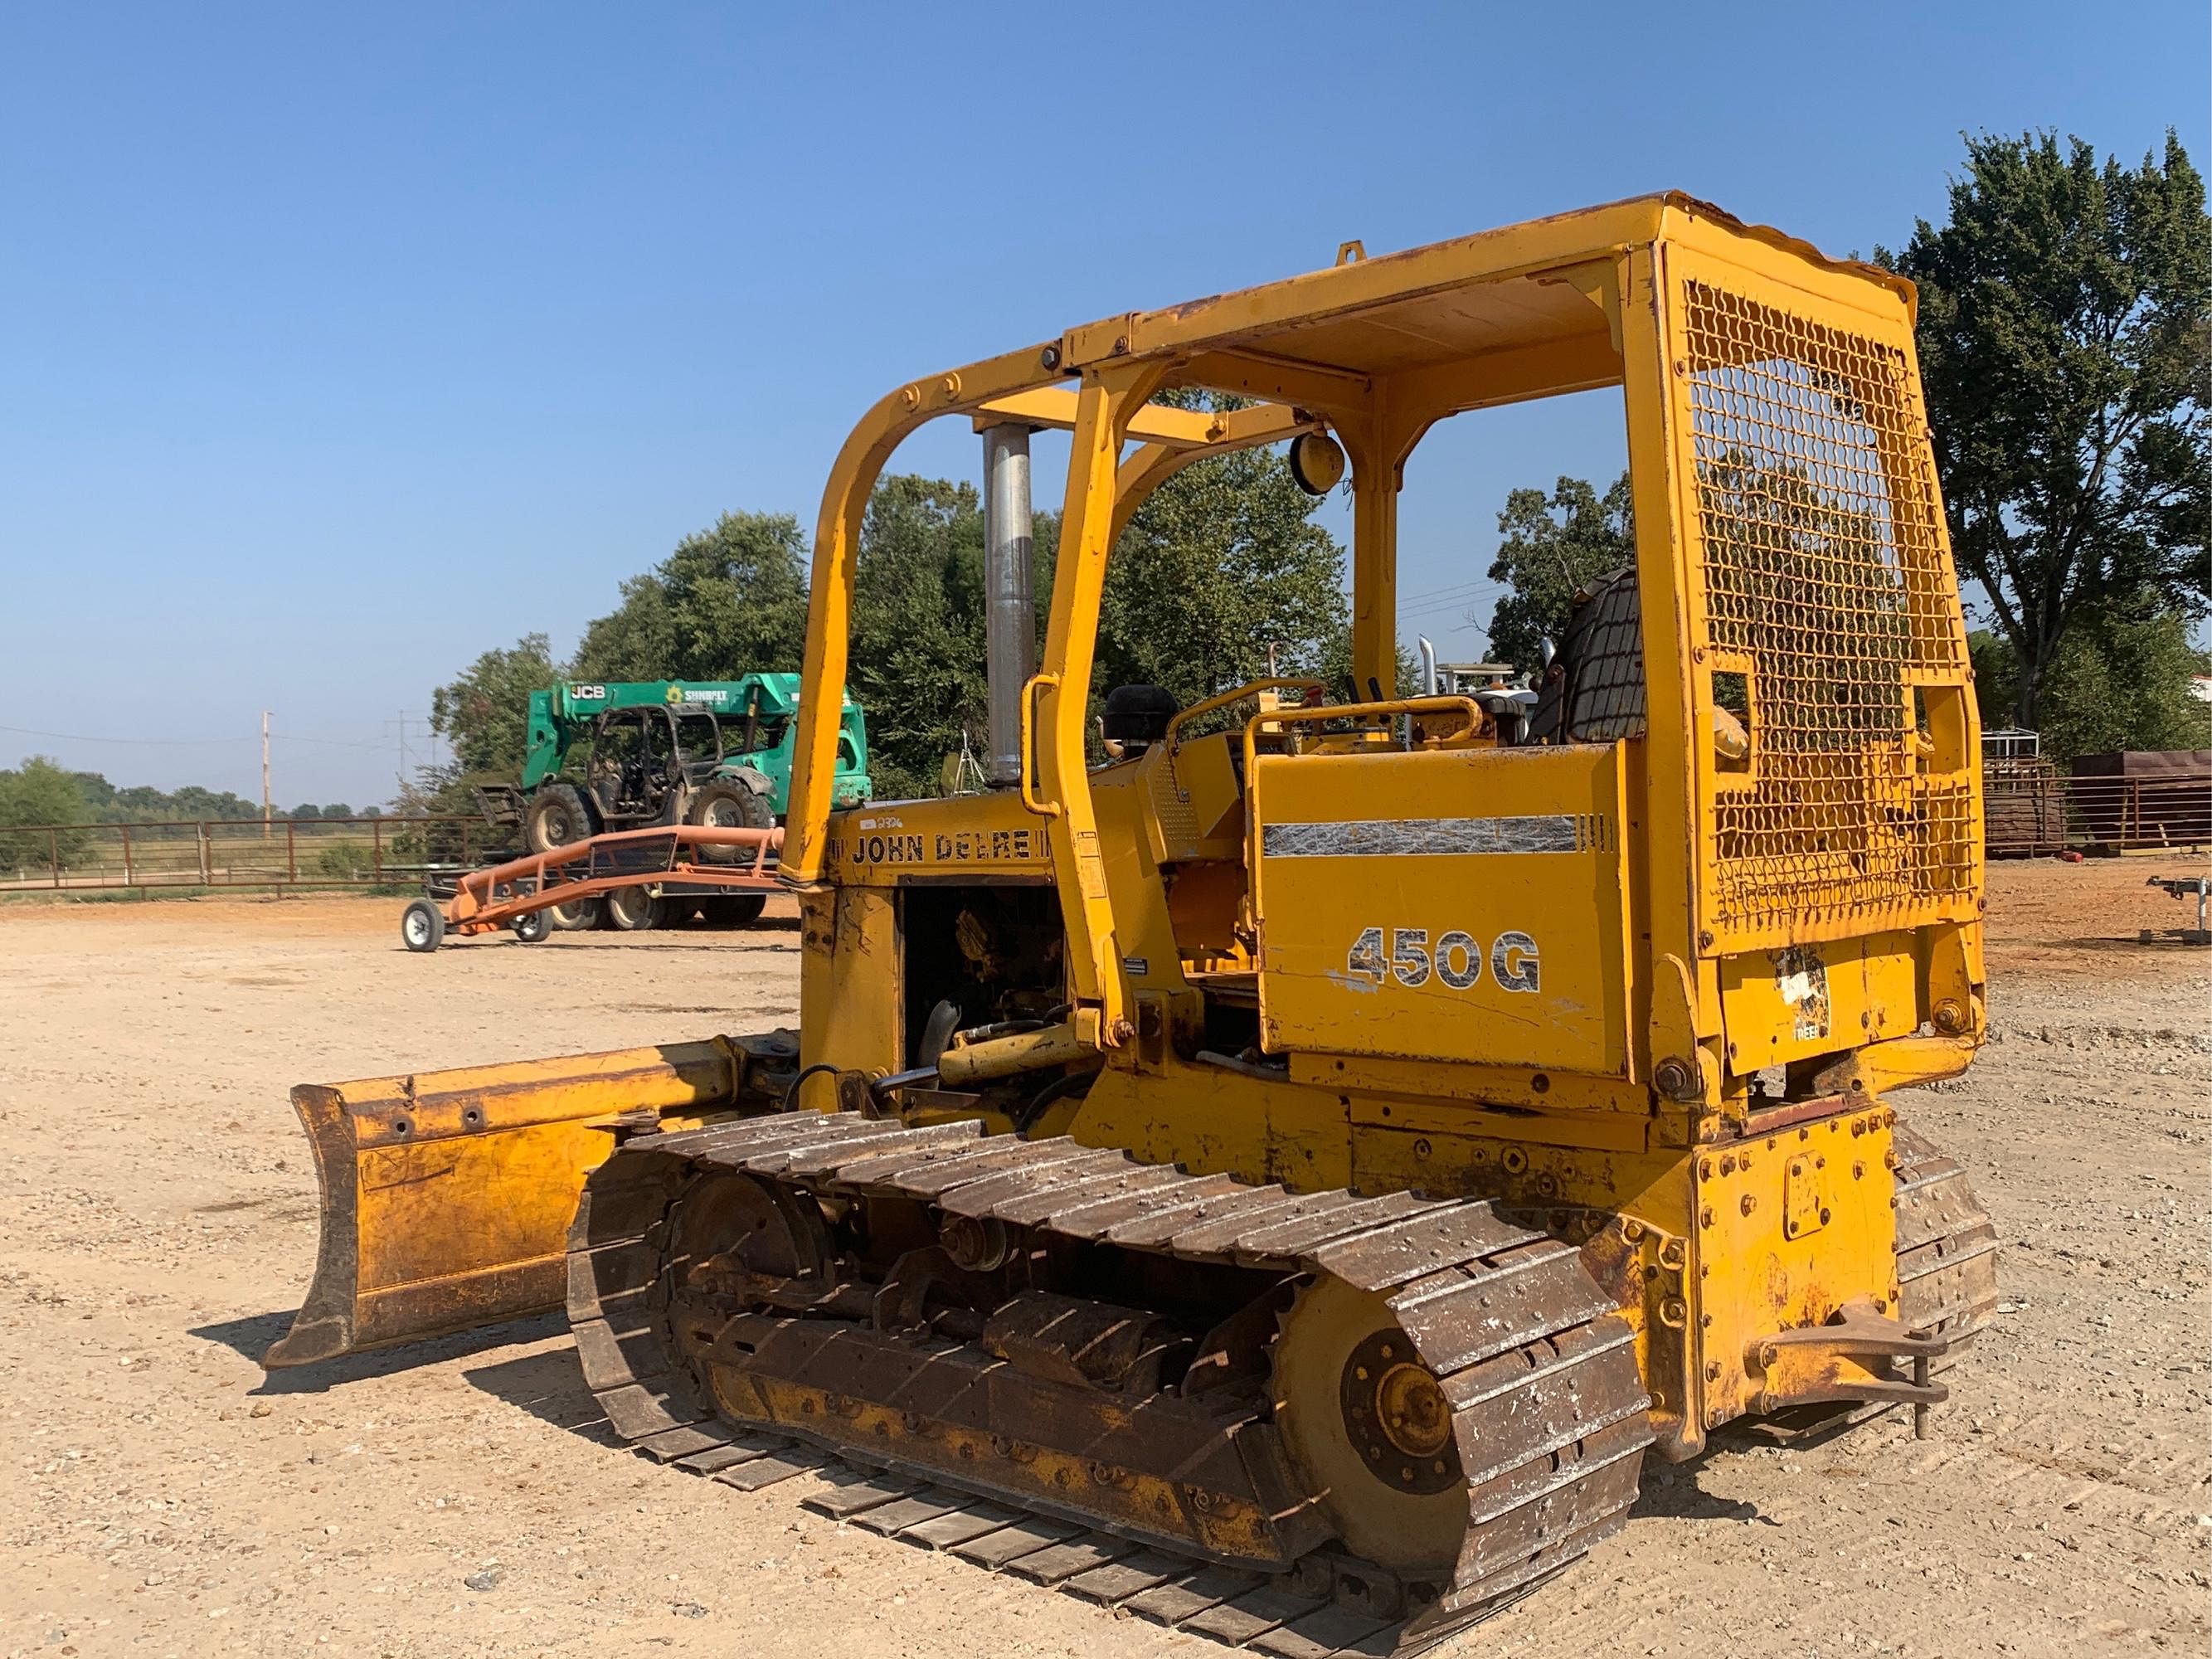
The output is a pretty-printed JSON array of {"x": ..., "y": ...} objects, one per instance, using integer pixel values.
[{"x": 1010, "y": 614}]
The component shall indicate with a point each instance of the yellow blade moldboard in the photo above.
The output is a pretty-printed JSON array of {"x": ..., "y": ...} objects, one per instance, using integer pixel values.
[{"x": 448, "y": 1195}]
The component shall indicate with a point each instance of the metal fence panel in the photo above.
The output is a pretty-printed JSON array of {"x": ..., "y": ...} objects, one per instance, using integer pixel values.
[
  {"x": 221, "y": 853},
  {"x": 2030, "y": 808}
]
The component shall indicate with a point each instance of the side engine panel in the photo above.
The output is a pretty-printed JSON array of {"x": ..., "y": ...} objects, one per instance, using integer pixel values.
[{"x": 1462, "y": 905}]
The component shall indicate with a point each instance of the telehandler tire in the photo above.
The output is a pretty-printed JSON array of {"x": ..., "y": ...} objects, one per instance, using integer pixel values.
[
  {"x": 558, "y": 817},
  {"x": 422, "y": 925},
  {"x": 728, "y": 804}
]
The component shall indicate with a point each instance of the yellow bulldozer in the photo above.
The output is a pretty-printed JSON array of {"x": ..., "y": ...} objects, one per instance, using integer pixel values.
[{"x": 1282, "y": 1169}]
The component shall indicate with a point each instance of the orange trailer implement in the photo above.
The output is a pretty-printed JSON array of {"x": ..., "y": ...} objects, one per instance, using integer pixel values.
[{"x": 501, "y": 895}]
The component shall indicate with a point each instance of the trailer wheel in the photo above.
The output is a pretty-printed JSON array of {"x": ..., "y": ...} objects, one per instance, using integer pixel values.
[
  {"x": 631, "y": 910},
  {"x": 558, "y": 817},
  {"x": 736, "y": 910},
  {"x": 422, "y": 925},
  {"x": 531, "y": 927}
]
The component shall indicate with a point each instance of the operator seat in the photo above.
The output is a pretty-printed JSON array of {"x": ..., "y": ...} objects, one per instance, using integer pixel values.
[
  {"x": 1593, "y": 691},
  {"x": 1136, "y": 718}
]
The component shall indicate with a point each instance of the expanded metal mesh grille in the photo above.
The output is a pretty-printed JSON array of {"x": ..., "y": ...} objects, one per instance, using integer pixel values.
[{"x": 1826, "y": 591}]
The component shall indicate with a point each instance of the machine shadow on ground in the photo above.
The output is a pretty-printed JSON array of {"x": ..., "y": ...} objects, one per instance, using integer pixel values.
[
  {"x": 550, "y": 1386},
  {"x": 250, "y": 1338}
]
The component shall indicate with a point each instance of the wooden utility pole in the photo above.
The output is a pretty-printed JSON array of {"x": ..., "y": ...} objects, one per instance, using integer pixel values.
[{"x": 267, "y": 812}]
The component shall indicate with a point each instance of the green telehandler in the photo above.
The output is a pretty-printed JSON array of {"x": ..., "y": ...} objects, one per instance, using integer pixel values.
[{"x": 613, "y": 755}]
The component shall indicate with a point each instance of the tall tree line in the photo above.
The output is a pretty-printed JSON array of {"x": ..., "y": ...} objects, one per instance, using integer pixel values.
[
  {"x": 2065, "y": 339},
  {"x": 2065, "y": 344},
  {"x": 1222, "y": 563}
]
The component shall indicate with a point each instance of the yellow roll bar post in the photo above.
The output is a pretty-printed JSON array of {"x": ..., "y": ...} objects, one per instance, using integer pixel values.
[
  {"x": 1110, "y": 396},
  {"x": 836, "y": 555},
  {"x": 1111, "y": 410}
]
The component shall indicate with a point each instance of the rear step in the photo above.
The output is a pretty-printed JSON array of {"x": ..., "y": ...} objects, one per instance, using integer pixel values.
[{"x": 1473, "y": 1292}]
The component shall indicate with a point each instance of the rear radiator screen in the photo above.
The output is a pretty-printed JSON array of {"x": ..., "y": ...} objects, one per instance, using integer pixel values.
[{"x": 1828, "y": 598}]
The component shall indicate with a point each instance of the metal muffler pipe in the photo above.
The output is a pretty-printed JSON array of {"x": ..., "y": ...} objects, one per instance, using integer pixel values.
[{"x": 1009, "y": 613}]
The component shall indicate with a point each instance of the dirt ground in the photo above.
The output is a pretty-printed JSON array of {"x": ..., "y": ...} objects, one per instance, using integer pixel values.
[{"x": 160, "y": 1495}]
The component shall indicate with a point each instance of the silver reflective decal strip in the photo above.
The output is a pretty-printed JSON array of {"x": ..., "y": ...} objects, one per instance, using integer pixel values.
[{"x": 1561, "y": 832}]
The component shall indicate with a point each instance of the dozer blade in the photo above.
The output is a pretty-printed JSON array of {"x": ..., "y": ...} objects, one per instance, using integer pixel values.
[{"x": 446, "y": 1196}]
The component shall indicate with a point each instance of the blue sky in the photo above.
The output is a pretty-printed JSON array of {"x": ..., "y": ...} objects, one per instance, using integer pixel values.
[{"x": 341, "y": 343}]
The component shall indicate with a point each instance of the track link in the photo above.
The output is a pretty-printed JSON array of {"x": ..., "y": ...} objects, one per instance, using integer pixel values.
[{"x": 1548, "y": 1408}]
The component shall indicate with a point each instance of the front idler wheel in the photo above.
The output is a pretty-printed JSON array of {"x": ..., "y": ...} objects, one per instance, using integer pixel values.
[
  {"x": 739, "y": 1245},
  {"x": 1369, "y": 1429}
]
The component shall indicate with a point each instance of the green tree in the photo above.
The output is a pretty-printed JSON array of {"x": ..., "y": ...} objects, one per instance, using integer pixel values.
[
  {"x": 483, "y": 715},
  {"x": 1221, "y": 561},
  {"x": 2065, "y": 339},
  {"x": 190, "y": 802},
  {"x": 2120, "y": 680},
  {"x": 1220, "y": 564},
  {"x": 103, "y": 802},
  {"x": 305, "y": 811},
  {"x": 918, "y": 649},
  {"x": 728, "y": 601},
  {"x": 141, "y": 803},
  {"x": 40, "y": 792},
  {"x": 1554, "y": 547}
]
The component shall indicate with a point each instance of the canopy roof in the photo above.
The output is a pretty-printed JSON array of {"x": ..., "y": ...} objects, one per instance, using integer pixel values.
[{"x": 1532, "y": 285}]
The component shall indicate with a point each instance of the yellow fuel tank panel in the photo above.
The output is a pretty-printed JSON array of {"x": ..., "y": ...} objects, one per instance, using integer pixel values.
[{"x": 1473, "y": 911}]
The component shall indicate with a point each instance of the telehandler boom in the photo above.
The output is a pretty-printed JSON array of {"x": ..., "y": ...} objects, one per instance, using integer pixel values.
[{"x": 1285, "y": 1180}]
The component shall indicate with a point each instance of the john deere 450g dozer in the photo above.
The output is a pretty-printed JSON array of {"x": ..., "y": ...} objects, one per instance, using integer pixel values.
[{"x": 1288, "y": 1177}]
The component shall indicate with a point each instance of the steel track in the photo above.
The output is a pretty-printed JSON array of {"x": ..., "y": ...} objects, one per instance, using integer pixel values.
[{"x": 1548, "y": 1407}]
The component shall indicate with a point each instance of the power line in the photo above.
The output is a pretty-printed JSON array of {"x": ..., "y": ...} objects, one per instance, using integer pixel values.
[
  {"x": 411, "y": 728},
  {"x": 332, "y": 743},
  {"x": 140, "y": 743},
  {"x": 1444, "y": 603},
  {"x": 1451, "y": 591},
  {"x": 200, "y": 743},
  {"x": 1457, "y": 608}
]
